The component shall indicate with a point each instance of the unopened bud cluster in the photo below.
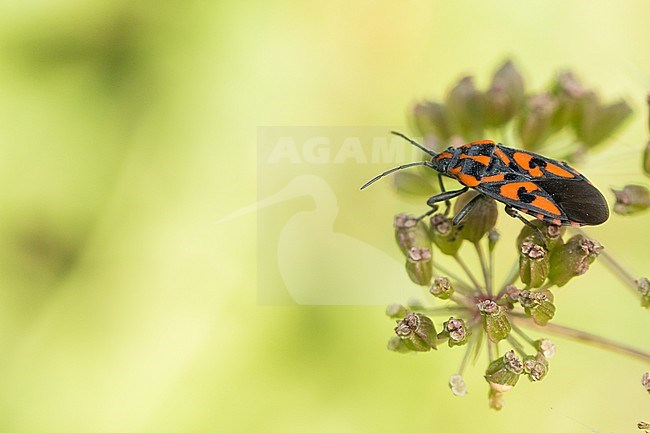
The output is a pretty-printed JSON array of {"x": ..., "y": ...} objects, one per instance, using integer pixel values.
[
  {"x": 567, "y": 104},
  {"x": 552, "y": 261},
  {"x": 466, "y": 304},
  {"x": 546, "y": 260}
]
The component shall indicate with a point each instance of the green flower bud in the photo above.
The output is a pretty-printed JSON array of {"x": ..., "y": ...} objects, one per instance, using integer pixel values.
[
  {"x": 538, "y": 305},
  {"x": 568, "y": 91},
  {"x": 455, "y": 331},
  {"x": 534, "y": 263},
  {"x": 503, "y": 373},
  {"x": 552, "y": 234},
  {"x": 444, "y": 234},
  {"x": 395, "y": 344},
  {"x": 569, "y": 85},
  {"x": 598, "y": 122},
  {"x": 419, "y": 266},
  {"x": 495, "y": 321},
  {"x": 643, "y": 285},
  {"x": 395, "y": 310},
  {"x": 535, "y": 367},
  {"x": 441, "y": 288},
  {"x": 505, "y": 95},
  {"x": 457, "y": 385},
  {"x": 645, "y": 381},
  {"x": 545, "y": 347},
  {"x": 631, "y": 199},
  {"x": 480, "y": 219},
  {"x": 467, "y": 109},
  {"x": 417, "y": 332},
  {"x": 432, "y": 119},
  {"x": 535, "y": 125},
  {"x": 646, "y": 158},
  {"x": 572, "y": 259},
  {"x": 409, "y": 233},
  {"x": 585, "y": 104}
]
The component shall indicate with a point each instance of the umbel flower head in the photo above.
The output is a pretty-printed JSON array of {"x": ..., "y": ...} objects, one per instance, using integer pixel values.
[
  {"x": 472, "y": 311},
  {"x": 477, "y": 312}
]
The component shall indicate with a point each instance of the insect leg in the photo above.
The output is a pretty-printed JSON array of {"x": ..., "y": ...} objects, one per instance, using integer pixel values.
[
  {"x": 442, "y": 188},
  {"x": 443, "y": 196},
  {"x": 513, "y": 213},
  {"x": 458, "y": 219}
]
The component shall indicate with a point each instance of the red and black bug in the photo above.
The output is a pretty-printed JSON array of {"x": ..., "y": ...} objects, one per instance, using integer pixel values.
[{"x": 525, "y": 182}]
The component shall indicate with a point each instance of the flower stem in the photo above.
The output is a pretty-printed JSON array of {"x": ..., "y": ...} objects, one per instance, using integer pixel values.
[
  {"x": 618, "y": 270},
  {"x": 466, "y": 356},
  {"x": 490, "y": 347},
  {"x": 585, "y": 337},
  {"x": 516, "y": 345},
  {"x": 484, "y": 268},
  {"x": 491, "y": 268},
  {"x": 466, "y": 301},
  {"x": 443, "y": 311},
  {"x": 512, "y": 276},
  {"x": 522, "y": 334},
  {"x": 459, "y": 283},
  {"x": 463, "y": 265}
]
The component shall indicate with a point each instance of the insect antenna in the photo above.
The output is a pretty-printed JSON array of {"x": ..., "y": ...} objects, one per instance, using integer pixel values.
[
  {"x": 401, "y": 167},
  {"x": 414, "y": 143},
  {"x": 392, "y": 170}
]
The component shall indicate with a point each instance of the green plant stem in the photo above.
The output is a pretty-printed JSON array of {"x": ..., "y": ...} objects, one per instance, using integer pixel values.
[
  {"x": 516, "y": 345},
  {"x": 618, "y": 270},
  {"x": 463, "y": 265},
  {"x": 459, "y": 283},
  {"x": 491, "y": 267},
  {"x": 466, "y": 356},
  {"x": 584, "y": 337},
  {"x": 490, "y": 348},
  {"x": 443, "y": 311},
  {"x": 467, "y": 301},
  {"x": 511, "y": 278},
  {"x": 484, "y": 268},
  {"x": 522, "y": 334}
]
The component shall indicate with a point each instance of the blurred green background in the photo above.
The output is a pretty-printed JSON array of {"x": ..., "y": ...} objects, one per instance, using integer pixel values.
[{"x": 129, "y": 129}]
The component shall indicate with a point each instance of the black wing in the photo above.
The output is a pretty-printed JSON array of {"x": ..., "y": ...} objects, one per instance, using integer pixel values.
[
  {"x": 580, "y": 200},
  {"x": 561, "y": 201}
]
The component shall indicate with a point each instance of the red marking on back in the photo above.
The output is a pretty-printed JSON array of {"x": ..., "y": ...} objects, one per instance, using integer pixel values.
[
  {"x": 465, "y": 179},
  {"x": 502, "y": 156},
  {"x": 558, "y": 171},
  {"x": 481, "y": 159},
  {"x": 494, "y": 178},
  {"x": 523, "y": 160},
  {"x": 545, "y": 204},
  {"x": 511, "y": 190}
]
